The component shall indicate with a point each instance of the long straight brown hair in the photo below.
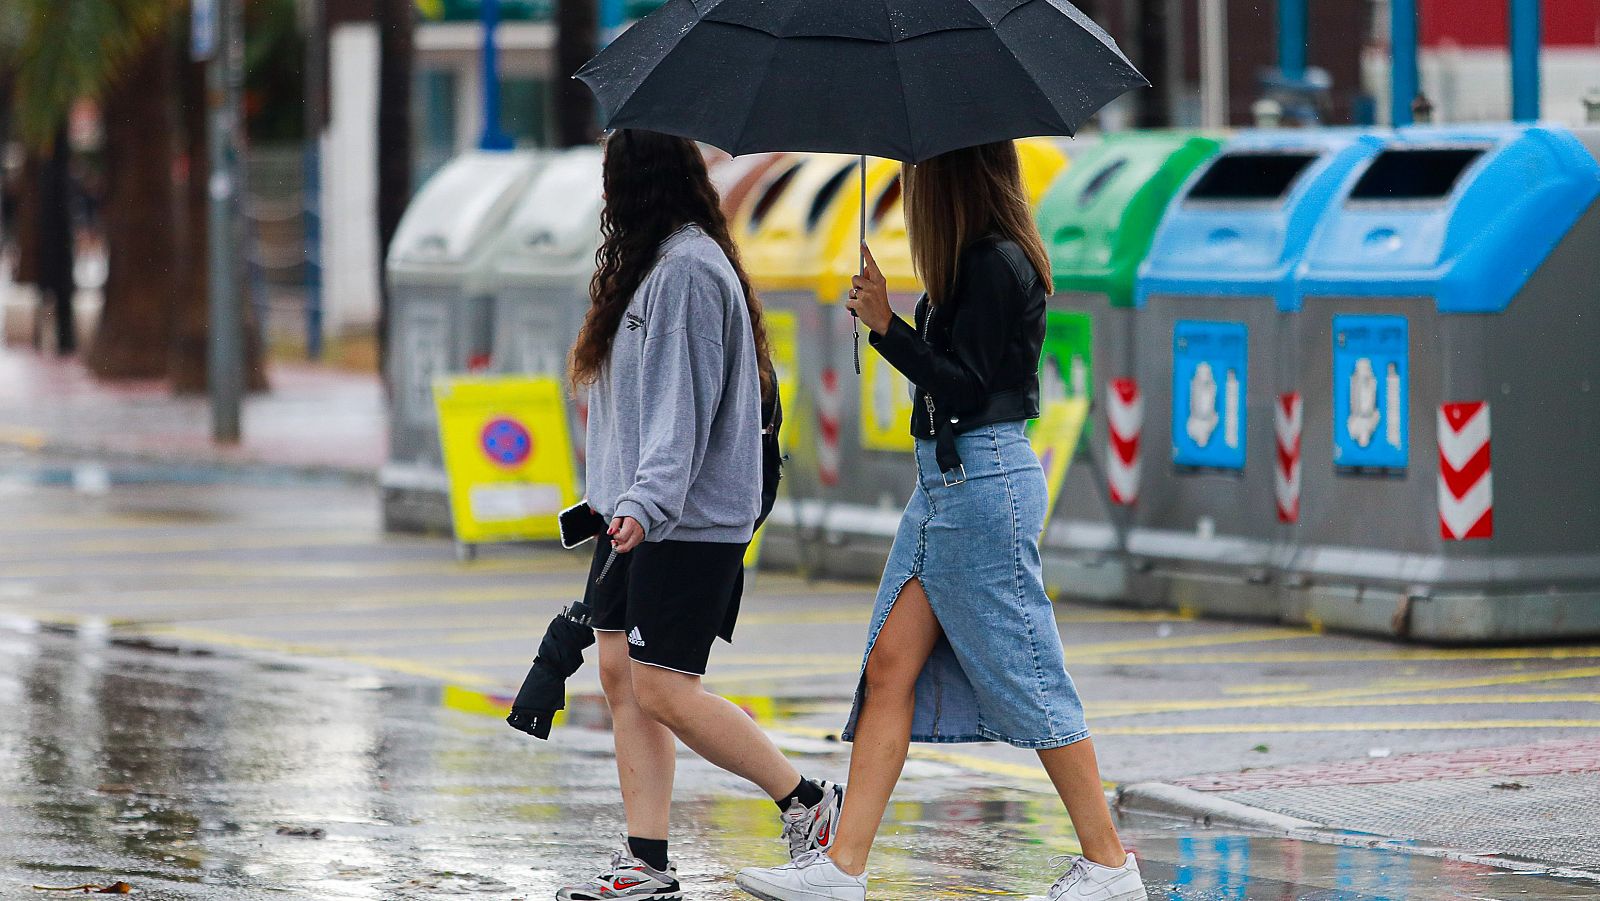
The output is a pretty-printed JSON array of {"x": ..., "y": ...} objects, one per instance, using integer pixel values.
[
  {"x": 654, "y": 185},
  {"x": 955, "y": 198}
]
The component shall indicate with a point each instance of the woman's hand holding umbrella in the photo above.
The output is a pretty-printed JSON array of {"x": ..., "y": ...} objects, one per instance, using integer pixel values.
[{"x": 869, "y": 295}]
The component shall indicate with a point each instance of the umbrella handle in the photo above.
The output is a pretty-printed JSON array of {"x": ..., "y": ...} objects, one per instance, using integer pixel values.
[{"x": 861, "y": 266}]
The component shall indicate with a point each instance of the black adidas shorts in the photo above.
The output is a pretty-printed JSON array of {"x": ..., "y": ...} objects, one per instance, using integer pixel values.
[{"x": 673, "y": 599}]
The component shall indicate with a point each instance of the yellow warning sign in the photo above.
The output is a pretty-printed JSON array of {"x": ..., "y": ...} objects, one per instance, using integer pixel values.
[
  {"x": 783, "y": 340},
  {"x": 507, "y": 454},
  {"x": 1055, "y": 439}
]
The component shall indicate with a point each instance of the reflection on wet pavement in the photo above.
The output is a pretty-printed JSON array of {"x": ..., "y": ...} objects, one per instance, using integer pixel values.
[{"x": 177, "y": 772}]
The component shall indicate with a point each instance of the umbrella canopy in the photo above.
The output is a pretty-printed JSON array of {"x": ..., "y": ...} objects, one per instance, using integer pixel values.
[{"x": 901, "y": 79}]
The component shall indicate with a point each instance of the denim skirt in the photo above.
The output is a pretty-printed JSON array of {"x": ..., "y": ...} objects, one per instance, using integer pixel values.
[{"x": 998, "y": 673}]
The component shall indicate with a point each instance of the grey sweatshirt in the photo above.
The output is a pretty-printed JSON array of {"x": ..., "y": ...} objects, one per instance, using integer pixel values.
[{"x": 675, "y": 416}]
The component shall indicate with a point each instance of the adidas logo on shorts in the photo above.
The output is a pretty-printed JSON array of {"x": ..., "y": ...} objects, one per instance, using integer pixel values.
[{"x": 634, "y": 638}]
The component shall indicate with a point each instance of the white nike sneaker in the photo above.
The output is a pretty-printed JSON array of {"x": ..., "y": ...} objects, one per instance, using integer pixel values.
[
  {"x": 809, "y": 877},
  {"x": 813, "y": 828},
  {"x": 628, "y": 878},
  {"x": 1086, "y": 880}
]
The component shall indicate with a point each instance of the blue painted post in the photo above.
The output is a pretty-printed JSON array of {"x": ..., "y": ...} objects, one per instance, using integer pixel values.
[
  {"x": 493, "y": 138},
  {"x": 1292, "y": 40},
  {"x": 1404, "y": 80},
  {"x": 1525, "y": 40},
  {"x": 612, "y": 12}
]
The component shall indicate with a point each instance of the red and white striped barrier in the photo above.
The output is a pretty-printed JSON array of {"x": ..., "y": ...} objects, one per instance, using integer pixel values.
[
  {"x": 1466, "y": 484},
  {"x": 830, "y": 407},
  {"x": 1125, "y": 416},
  {"x": 1288, "y": 420}
]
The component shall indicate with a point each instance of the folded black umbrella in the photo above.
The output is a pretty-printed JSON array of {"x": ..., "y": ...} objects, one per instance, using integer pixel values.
[
  {"x": 544, "y": 691},
  {"x": 900, "y": 79}
]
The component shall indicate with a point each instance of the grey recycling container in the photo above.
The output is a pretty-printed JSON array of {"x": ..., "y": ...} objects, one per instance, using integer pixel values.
[
  {"x": 540, "y": 271},
  {"x": 1214, "y": 326},
  {"x": 440, "y": 318},
  {"x": 1097, "y": 221},
  {"x": 1447, "y": 342}
]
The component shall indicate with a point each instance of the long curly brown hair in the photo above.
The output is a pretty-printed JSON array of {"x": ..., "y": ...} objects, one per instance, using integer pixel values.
[{"x": 655, "y": 184}]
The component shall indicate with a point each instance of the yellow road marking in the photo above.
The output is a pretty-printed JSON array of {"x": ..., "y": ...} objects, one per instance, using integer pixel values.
[
  {"x": 391, "y": 664},
  {"x": 1381, "y": 726},
  {"x": 27, "y": 439},
  {"x": 291, "y": 570},
  {"x": 1075, "y": 652},
  {"x": 1112, "y": 709},
  {"x": 1395, "y": 654},
  {"x": 1273, "y": 688},
  {"x": 312, "y": 538},
  {"x": 1138, "y": 708}
]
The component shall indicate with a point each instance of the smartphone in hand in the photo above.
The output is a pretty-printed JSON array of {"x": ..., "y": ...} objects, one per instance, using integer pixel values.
[{"x": 579, "y": 523}]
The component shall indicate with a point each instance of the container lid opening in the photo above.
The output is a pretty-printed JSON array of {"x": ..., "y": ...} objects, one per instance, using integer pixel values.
[
  {"x": 1101, "y": 181},
  {"x": 1420, "y": 174},
  {"x": 769, "y": 197},
  {"x": 826, "y": 195},
  {"x": 1251, "y": 176}
]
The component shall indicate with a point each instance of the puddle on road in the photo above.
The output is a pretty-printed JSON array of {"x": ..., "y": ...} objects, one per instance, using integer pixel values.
[{"x": 176, "y": 773}]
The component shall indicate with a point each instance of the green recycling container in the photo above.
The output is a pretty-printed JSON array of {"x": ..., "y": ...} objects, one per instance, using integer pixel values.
[{"x": 1098, "y": 222}]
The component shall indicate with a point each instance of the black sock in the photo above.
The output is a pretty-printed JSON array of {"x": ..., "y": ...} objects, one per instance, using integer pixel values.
[
  {"x": 807, "y": 792},
  {"x": 653, "y": 851}
]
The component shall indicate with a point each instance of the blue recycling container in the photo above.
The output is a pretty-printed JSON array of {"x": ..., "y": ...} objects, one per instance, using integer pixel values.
[
  {"x": 1215, "y": 299},
  {"x": 1449, "y": 322}
]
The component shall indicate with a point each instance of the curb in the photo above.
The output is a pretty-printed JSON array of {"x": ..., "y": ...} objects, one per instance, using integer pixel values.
[{"x": 1175, "y": 802}]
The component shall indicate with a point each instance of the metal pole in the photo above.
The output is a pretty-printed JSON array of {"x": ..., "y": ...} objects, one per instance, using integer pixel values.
[
  {"x": 225, "y": 364},
  {"x": 493, "y": 138},
  {"x": 1292, "y": 40},
  {"x": 1525, "y": 40},
  {"x": 1213, "y": 64},
  {"x": 1404, "y": 81},
  {"x": 311, "y": 192}
]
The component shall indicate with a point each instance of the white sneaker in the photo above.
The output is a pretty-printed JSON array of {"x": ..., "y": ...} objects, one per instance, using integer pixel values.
[
  {"x": 1086, "y": 880},
  {"x": 809, "y": 877},
  {"x": 813, "y": 828}
]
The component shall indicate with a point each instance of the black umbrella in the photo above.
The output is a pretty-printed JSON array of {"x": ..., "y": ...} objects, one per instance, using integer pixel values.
[{"x": 901, "y": 79}]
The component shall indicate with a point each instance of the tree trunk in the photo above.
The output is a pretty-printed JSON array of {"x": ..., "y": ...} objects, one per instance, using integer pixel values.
[
  {"x": 396, "y": 20},
  {"x": 187, "y": 368},
  {"x": 141, "y": 247},
  {"x": 55, "y": 248},
  {"x": 577, "y": 37},
  {"x": 27, "y": 219}
]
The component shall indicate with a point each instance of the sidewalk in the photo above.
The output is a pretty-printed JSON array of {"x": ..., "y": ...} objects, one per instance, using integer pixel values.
[
  {"x": 1525, "y": 806},
  {"x": 313, "y": 419}
]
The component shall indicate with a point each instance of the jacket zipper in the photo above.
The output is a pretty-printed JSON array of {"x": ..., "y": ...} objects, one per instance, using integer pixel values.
[{"x": 927, "y": 399}]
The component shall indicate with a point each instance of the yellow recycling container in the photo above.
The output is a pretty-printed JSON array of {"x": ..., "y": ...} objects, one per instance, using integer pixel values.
[{"x": 875, "y": 475}]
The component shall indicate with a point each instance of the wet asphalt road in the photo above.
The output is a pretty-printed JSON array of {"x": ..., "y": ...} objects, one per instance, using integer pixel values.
[
  {"x": 176, "y": 771},
  {"x": 192, "y": 659}
]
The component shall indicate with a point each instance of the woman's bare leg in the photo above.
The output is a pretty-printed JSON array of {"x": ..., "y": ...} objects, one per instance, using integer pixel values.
[
  {"x": 713, "y": 727},
  {"x": 646, "y": 751},
  {"x": 883, "y": 729},
  {"x": 1076, "y": 774}
]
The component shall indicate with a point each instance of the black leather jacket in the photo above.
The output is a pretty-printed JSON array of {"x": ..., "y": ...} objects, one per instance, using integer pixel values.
[{"x": 975, "y": 357}]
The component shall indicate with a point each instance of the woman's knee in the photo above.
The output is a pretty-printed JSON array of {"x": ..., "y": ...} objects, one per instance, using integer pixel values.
[
  {"x": 616, "y": 672},
  {"x": 892, "y": 670},
  {"x": 662, "y": 695}
]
